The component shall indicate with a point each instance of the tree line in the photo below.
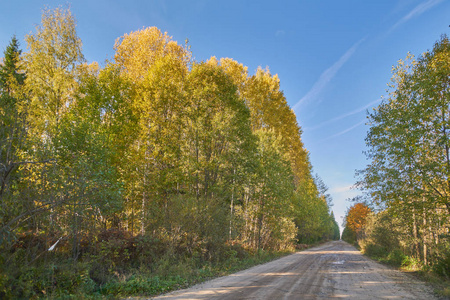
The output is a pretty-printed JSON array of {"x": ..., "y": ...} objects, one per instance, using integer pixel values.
[
  {"x": 153, "y": 144},
  {"x": 407, "y": 182}
]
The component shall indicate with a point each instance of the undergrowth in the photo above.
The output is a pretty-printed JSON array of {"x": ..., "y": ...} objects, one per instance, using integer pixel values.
[
  {"x": 437, "y": 275},
  {"x": 120, "y": 265}
]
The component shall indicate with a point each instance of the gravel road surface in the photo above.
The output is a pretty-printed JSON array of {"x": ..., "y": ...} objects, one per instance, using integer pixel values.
[{"x": 332, "y": 270}]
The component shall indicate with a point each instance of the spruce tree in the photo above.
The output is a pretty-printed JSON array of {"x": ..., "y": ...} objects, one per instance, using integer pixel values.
[{"x": 9, "y": 68}]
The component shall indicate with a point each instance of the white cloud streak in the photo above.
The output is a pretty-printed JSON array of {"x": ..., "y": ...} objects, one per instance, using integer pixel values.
[
  {"x": 342, "y": 132},
  {"x": 345, "y": 115},
  {"x": 342, "y": 189},
  {"x": 327, "y": 76},
  {"x": 416, "y": 11},
  {"x": 348, "y": 129}
]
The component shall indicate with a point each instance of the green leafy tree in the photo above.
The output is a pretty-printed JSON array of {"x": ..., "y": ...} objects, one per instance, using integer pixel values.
[
  {"x": 156, "y": 66},
  {"x": 274, "y": 192},
  {"x": 217, "y": 132},
  {"x": 52, "y": 64},
  {"x": 409, "y": 146}
]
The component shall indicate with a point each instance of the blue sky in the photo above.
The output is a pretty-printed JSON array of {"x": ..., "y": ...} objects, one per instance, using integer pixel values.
[{"x": 333, "y": 58}]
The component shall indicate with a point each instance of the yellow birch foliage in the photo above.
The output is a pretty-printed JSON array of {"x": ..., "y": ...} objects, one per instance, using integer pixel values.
[
  {"x": 51, "y": 67},
  {"x": 269, "y": 109},
  {"x": 137, "y": 51}
]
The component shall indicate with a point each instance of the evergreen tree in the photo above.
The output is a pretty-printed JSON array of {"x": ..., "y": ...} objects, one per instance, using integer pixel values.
[
  {"x": 10, "y": 72},
  {"x": 13, "y": 133}
]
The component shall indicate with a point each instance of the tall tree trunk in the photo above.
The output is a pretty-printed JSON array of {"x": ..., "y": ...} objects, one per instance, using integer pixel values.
[
  {"x": 260, "y": 222},
  {"x": 74, "y": 232},
  {"x": 447, "y": 158},
  {"x": 132, "y": 217},
  {"x": 416, "y": 249},
  {"x": 143, "y": 211},
  {"x": 232, "y": 205},
  {"x": 424, "y": 238}
]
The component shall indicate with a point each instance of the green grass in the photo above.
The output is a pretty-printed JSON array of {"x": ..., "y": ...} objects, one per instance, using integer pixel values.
[{"x": 413, "y": 266}]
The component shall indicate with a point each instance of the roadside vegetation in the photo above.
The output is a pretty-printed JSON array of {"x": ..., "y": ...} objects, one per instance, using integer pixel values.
[
  {"x": 146, "y": 173},
  {"x": 404, "y": 219}
]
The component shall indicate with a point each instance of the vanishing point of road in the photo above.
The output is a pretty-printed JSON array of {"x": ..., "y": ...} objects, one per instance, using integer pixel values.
[{"x": 332, "y": 270}]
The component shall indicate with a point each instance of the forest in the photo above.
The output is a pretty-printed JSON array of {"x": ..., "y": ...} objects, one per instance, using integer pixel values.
[
  {"x": 404, "y": 216},
  {"x": 150, "y": 171}
]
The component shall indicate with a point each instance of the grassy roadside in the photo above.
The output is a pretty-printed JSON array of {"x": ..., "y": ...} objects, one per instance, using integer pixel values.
[
  {"x": 211, "y": 271},
  {"x": 406, "y": 264},
  {"x": 113, "y": 272},
  {"x": 191, "y": 276},
  {"x": 120, "y": 266},
  {"x": 187, "y": 274},
  {"x": 440, "y": 285},
  {"x": 95, "y": 278}
]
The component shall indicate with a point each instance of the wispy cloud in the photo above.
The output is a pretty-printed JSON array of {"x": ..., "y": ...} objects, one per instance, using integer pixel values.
[
  {"x": 342, "y": 132},
  {"x": 280, "y": 33},
  {"x": 348, "y": 129},
  {"x": 342, "y": 189},
  {"x": 327, "y": 76},
  {"x": 345, "y": 115},
  {"x": 416, "y": 11}
]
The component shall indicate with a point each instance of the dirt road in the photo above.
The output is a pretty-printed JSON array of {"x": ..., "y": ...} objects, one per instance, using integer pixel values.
[{"x": 333, "y": 270}]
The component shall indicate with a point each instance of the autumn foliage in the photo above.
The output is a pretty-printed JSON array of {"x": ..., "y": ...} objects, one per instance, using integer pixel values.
[
  {"x": 154, "y": 164},
  {"x": 356, "y": 218}
]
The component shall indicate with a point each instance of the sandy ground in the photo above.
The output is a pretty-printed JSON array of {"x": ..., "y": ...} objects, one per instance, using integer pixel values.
[{"x": 333, "y": 270}]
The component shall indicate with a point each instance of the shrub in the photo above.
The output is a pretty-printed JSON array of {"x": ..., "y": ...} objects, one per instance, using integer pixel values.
[
  {"x": 442, "y": 266},
  {"x": 395, "y": 258},
  {"x": 139, "y": 285},
  {"x": 5, "y": 290},
  {"x": 374, "y": 250},
  {"x": 349, "y": 235},
  {"x": 411, "y": 263}
]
